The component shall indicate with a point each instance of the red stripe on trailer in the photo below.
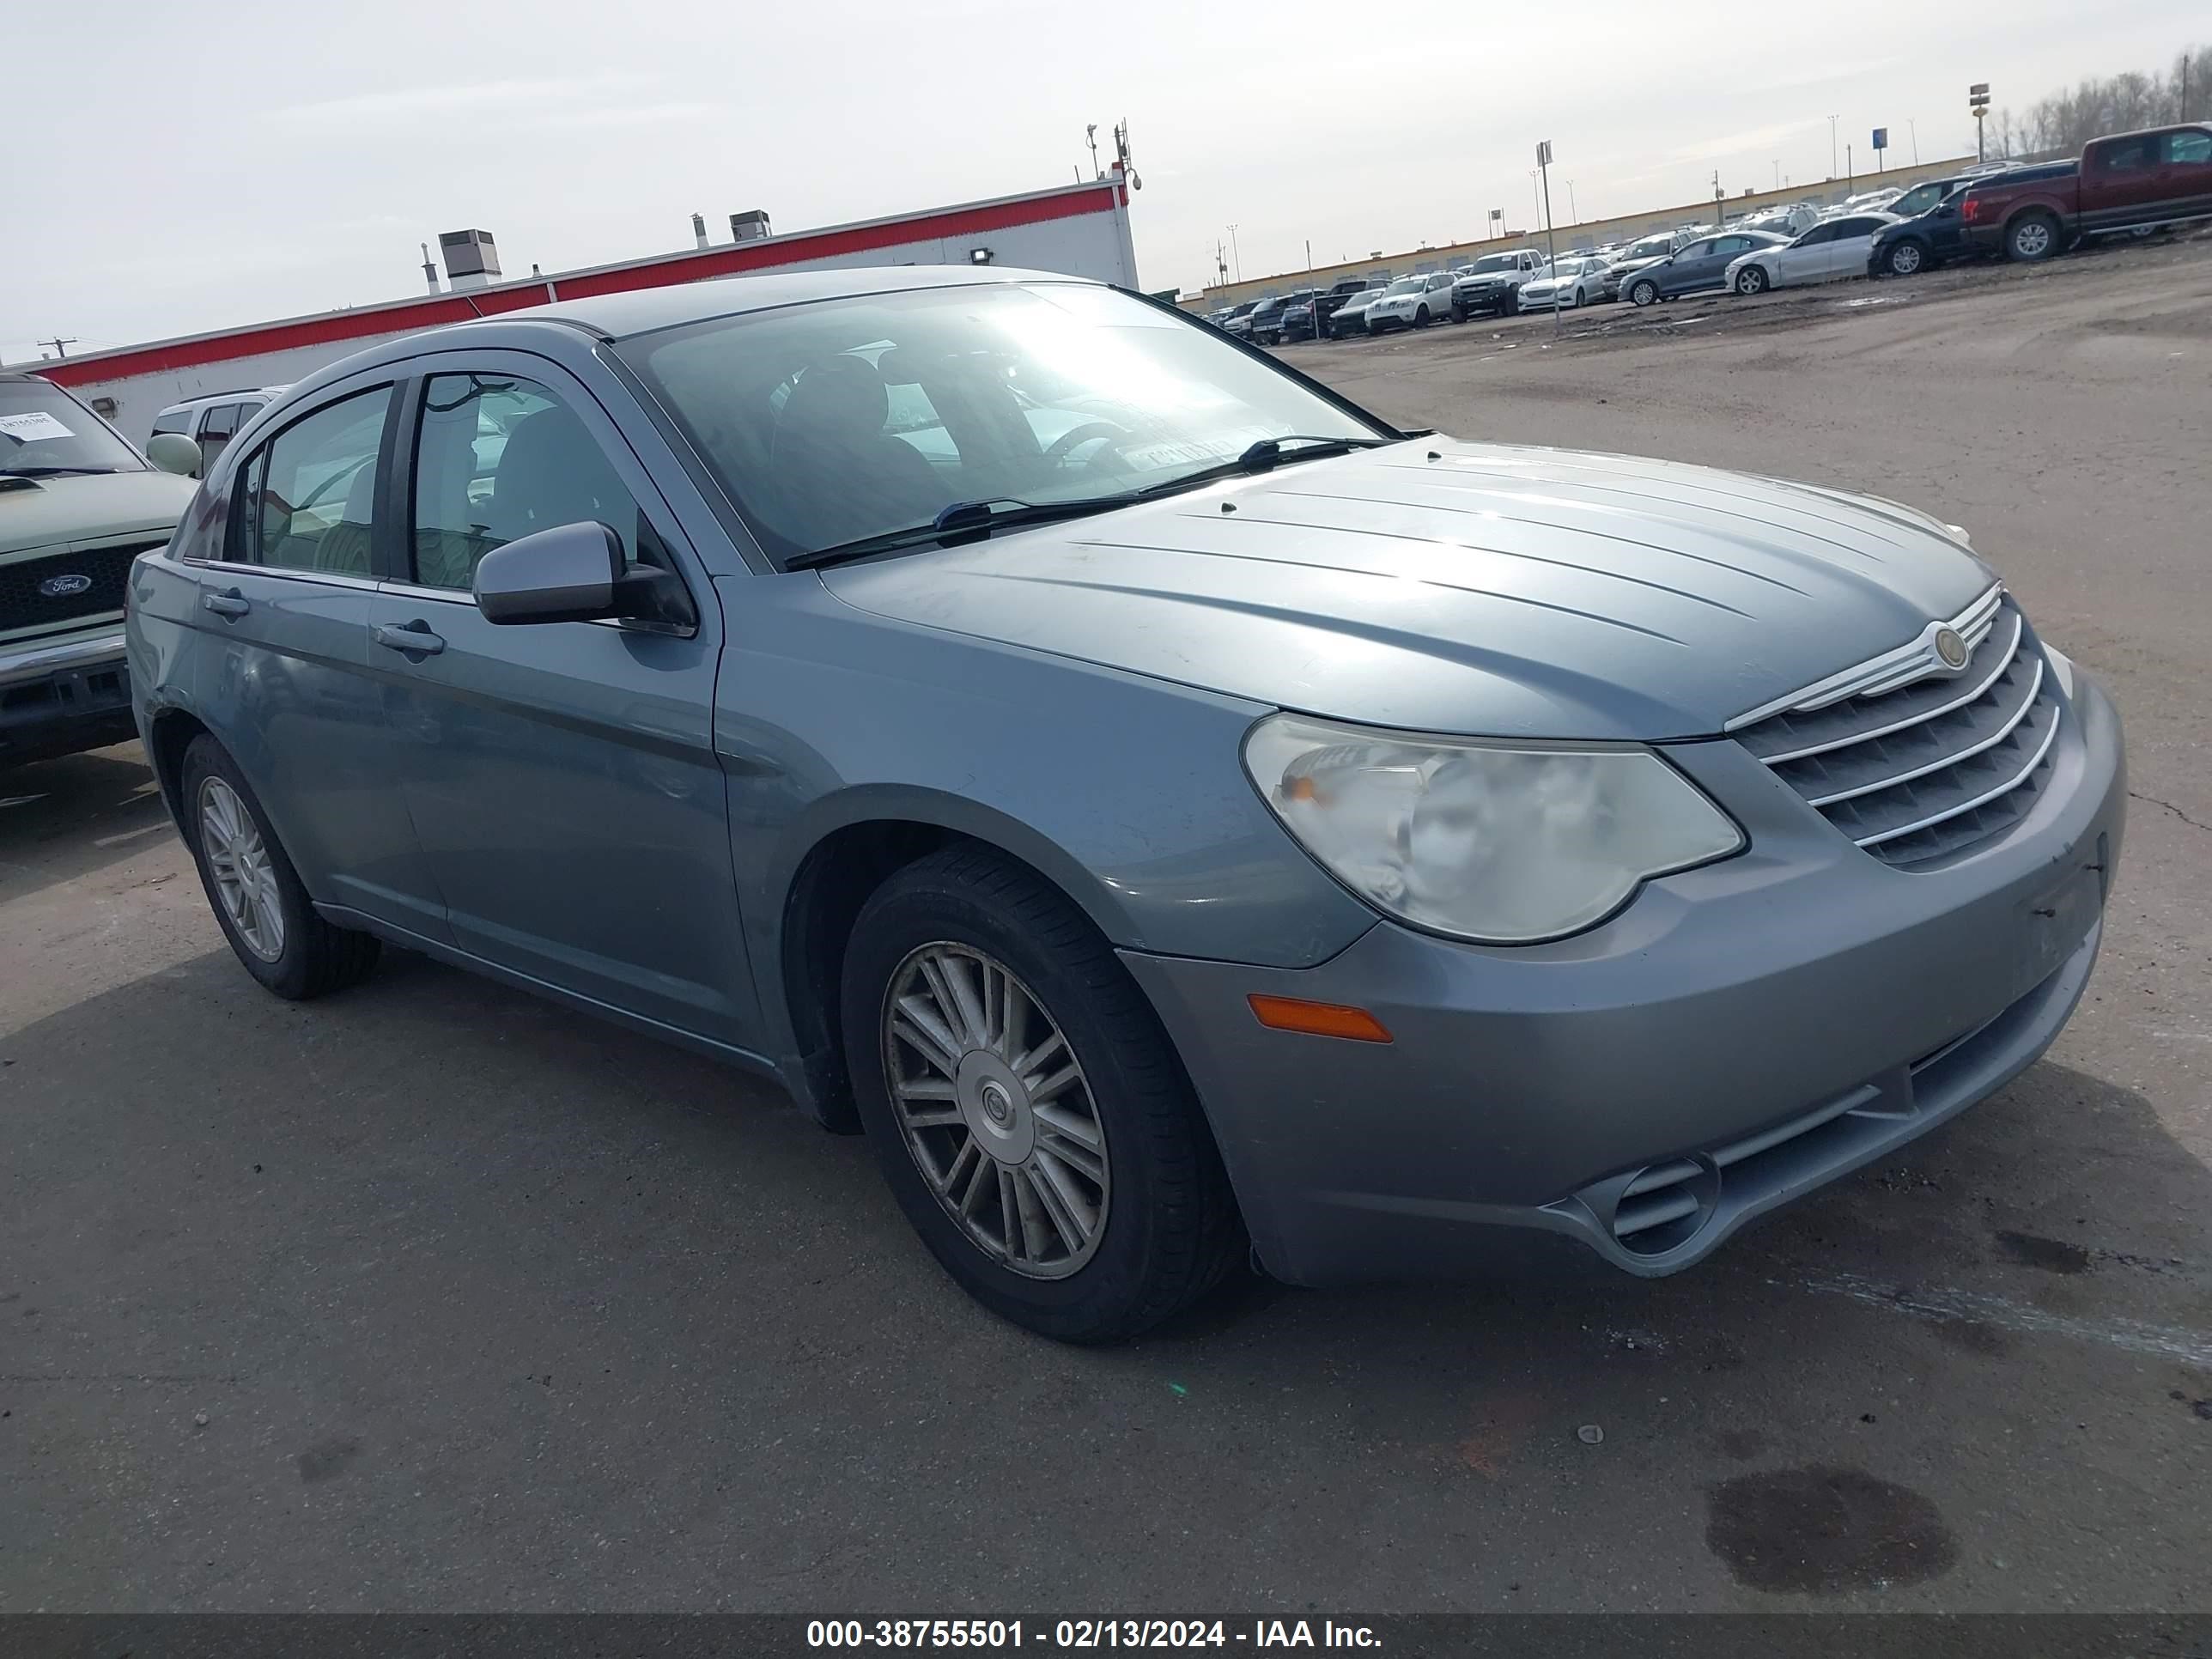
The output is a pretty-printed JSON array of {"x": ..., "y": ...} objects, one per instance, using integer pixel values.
[{"x": 403, "y": 317}]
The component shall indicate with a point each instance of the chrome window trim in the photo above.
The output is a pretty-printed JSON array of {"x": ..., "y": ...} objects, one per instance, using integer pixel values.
[{"x": 284, "y": 572}]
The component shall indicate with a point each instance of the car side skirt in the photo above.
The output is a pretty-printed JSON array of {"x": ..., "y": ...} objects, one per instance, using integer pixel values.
[{"x": 340, "y": 915}]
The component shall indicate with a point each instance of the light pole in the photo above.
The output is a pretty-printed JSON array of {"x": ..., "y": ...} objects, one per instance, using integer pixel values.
[
  {"x": 1537, "y": 196},
  {"x": 1832, "y": 145},
  {"x": 1496, "y": 224},
  {"x": 1235, "y": 255},
  {"x": 1574, "y": 213},
  {"x": 1551, "y": 236},
  {"x": 1777, "y": 173}
]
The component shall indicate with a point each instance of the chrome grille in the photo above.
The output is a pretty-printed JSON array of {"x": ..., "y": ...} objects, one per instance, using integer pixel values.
[{"x": 1915, "y": 768}]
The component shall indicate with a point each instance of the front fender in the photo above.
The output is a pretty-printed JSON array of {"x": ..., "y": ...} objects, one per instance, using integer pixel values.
[{"x": 1128, "y": 793}]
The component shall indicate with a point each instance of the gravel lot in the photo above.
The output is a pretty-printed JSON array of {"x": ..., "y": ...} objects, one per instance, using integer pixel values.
[{"x": 431, "y": 1297}]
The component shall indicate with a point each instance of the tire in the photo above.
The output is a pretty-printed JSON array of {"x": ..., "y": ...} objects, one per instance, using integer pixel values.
[
  {"x": 1166, "y": 1228},
  {"x": 1421, "y": 317},
  {"x": 1905, "y": 258},
  {"x": 1459, "y": 313},
  {"x": 1643, "y": 293},
  {"x": 224, "y": 824},
  {"x": 2031, "y": 237},
  {"x": 1752, "y": 279}
]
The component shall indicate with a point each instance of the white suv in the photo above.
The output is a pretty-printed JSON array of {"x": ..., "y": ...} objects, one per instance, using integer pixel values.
[
  {"x": 1413, "y": 302},
  {"x": 209, "y": 422}
]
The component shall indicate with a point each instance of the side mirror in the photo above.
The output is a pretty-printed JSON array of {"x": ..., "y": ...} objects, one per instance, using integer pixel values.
[
  {"x": 172, "y": 452},
  {"x": 575, "y": 572}
]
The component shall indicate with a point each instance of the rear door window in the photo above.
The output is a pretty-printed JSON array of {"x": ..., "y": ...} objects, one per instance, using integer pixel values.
[
  {"x": 2126, "y": 155},
  {"x": 310, "y": 490},
  {"x": 216, "y": 431}
]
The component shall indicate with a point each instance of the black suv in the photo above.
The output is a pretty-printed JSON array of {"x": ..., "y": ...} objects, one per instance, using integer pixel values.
[{"x": 1306, "y": 317}]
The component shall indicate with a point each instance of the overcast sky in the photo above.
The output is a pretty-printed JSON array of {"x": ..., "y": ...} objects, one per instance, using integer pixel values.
[{"x": 173, "y": 167}]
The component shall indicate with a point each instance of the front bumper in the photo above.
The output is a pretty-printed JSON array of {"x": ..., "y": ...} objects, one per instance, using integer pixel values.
[
  {"x": 62, "y": 698},
  {"x": 1737, "y": 1036}
]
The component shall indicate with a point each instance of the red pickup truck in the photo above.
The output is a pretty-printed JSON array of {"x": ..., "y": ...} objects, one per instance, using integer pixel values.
[{"x": 2156, "y": 177}]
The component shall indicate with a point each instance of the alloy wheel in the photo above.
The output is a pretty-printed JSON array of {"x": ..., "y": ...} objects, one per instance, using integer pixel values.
[
  {"x": 1904, "y": 258},
  {"x": 996, "y": 1110},
  {"x": 238, "y": 860}
]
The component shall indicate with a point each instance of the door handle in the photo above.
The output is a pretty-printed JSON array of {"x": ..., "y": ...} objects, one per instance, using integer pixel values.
[
  {"x": 414, "y": 637},
  {"x": 229, "y": 602}
]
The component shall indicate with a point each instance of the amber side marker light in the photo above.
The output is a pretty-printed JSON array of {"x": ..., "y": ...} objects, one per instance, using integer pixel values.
[{"x": 1331, "y": 1019}]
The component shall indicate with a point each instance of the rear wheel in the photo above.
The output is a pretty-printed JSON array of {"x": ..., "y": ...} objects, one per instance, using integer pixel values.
[
  {"x": 1028, "y": 1111},
  {"x": 256, "y": 894},
  {"x": 1905, "y": 258},
  {"x": 2032, "y": 236},
  {"x": 1643, "y": 293},
  {"x": 1752, "y": 279}
]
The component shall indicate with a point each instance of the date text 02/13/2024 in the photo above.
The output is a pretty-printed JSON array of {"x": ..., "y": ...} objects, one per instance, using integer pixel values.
[{"x": 1085, "y": 1633}]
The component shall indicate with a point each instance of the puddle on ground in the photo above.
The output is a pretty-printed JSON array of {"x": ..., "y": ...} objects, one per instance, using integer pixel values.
[{"x": 1822, "y": 1531}]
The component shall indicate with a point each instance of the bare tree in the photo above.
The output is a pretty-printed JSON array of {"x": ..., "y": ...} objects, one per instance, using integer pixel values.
[{"x": 2062, "y": 122}]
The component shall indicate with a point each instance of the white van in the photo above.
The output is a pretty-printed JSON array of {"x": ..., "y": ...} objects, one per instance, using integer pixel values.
[{"x": 209, "y": 422}]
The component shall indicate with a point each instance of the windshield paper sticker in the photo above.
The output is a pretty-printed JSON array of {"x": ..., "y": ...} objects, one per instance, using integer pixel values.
[{"x": 29, "y": 428}]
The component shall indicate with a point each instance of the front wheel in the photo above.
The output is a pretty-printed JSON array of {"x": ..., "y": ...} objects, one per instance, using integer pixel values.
[
  {"x": 1028, "y": 1110},
  {"x": 1752, "y": 279},
  {"x": 1643, "y": 294},
  {"x": 2033, "y": 236},
  {"x": 1421, "y": 317},
  {"x": 1905, "y": 259},
  {"x": 256, "y": 894}
]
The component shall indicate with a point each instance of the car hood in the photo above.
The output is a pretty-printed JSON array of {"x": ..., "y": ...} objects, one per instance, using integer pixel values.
[
  {"x": 1461, "y": 588},
  {"x": 72, "y": 508}
]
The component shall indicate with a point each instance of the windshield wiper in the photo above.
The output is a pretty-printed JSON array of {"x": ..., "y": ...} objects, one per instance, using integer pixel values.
[
  {"x": 1007, "y": 512},
  {"x": 1263, "y": 457},
  {"x": 50, "y": 471},
  {"x": 961, "y": 519}
]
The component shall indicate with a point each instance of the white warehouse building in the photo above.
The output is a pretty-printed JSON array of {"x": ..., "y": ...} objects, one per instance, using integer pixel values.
[{"x": 1079, "y": 229}]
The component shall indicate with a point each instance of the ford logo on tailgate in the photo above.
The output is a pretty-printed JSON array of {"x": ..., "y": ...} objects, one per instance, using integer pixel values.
[{"x": 60, "y": 587}]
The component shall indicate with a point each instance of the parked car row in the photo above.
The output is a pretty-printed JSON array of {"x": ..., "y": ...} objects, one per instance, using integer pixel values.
[{"x": 2130, "y": 183}]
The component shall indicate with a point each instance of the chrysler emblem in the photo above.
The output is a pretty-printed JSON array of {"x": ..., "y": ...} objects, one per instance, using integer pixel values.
[
  {"x": 1950, "y": 647},
  {"x": 60, "y": 587}
]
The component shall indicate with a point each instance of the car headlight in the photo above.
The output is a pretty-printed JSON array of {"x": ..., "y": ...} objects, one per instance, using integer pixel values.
[{"x": 1497, "y": 842}]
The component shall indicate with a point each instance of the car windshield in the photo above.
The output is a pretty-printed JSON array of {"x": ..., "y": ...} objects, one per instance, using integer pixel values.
[
  {"x": 1920, "y": 199},
  {"x": 1651, "y": 248},
  {"x": 1489, "y": 261},
  {"x": 1408, "y": 285},
  {"x": 831, "y": 423},
  {"x": 43, "y": 429}
]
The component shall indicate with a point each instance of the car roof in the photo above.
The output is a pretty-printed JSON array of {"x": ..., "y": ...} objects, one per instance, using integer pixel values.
[
  {"x": 643, "y": 311},
  {"x": 231, "y": 396}
]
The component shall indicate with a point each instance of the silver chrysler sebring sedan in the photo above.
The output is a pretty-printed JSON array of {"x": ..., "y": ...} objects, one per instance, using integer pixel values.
[{"x": 1172, "y": 811}]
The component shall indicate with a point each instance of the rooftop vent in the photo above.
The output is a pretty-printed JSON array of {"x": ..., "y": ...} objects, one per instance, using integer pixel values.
[
  {"x": 471, "y": 260},
  {"x": 751, "y": 226}
]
